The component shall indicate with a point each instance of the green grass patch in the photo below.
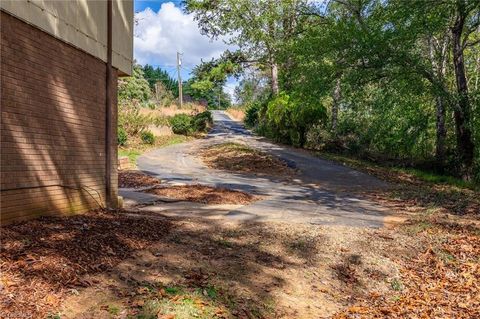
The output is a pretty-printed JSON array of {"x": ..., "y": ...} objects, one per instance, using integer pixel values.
[
  {"x": 113, "y": 310},
  {"x": 418, "y": 174},
  {"x": 132, "y": 154},
  {"x": 396, "y": 284},
  {"x": 136, "y": 148},
  {"x": 418, "y": 227},
  {"x": 182, "y": 305},
  {"x": 437, "y": 178},
  {"x": 173, "y": 290}
]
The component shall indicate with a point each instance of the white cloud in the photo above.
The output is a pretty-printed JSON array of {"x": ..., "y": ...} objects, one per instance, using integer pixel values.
[{"x": 159, "y": 35}]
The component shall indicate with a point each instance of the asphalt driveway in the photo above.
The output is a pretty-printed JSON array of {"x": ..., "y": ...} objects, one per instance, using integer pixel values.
[{"x": 322, "y": 193}]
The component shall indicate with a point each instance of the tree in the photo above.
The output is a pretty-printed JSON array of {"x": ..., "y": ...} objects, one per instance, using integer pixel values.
[
  {"x": 466, "y": 21},
  {"x": 208, "y": 80},
  {"x": 251, "y": 87},
  {"x": 398, "y": 79},
  {"x": 397, "y": 39},
  {"x": 134, "y": 87},
  {"x": 258, "y": 28},
  {"x": 155, "y": 75}
]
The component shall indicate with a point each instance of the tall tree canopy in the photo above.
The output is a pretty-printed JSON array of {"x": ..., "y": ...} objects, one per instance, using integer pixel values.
[
  {"x": 257, "y": 28},
  {"x": 155, "y": 75},
  {"x": 398, "y": 80}
]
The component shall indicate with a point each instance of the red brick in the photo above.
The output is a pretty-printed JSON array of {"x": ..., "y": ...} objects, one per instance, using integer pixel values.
[{"x": 52, "y": 125}]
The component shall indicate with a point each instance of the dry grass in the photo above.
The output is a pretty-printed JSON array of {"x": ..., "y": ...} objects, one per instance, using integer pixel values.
[
  {"x": 173, "y": 110},
  {"x": 204, "y": 194},
  {"x": 241, "y": 158},
  {"x": 236, "y": 113}
]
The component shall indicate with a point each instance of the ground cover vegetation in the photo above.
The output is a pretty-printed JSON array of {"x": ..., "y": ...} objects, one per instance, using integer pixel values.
[{"x": 391, "y": 81}]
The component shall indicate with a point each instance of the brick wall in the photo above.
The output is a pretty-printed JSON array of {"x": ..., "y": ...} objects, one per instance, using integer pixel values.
[{"x": 52, "y": 125}]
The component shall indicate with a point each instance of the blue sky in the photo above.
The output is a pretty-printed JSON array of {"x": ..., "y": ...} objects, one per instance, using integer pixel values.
[
  {"x": 141, "y": 5},
  {"x": 163, "y": 29}
]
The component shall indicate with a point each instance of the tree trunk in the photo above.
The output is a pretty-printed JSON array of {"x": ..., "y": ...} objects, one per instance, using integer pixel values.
[
  {"x": 438, "y": 57},
  {"x": 274, "y": 69},
  {"x": 465, "y": 144},
  {"x": 441, "y": 131},
  {"x": 336, "y": 96}
]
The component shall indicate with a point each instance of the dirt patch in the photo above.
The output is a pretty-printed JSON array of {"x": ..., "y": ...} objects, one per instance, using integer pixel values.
[
  {"x": 212, "y": 269},
  {"x": 204, "y": 194},
  {"x": 42, "y": 259},
  {"x": 236, "y": 157},
  {"x": 126, "y": 264},
  {"x": 135, "y": 179}
]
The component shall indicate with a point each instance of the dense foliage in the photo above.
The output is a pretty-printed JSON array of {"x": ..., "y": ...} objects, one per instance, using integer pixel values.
[
  {"x": 157, "y": 75},
  {"x": 189, "y": 124},
  {"x": 122, "y": 136},
  {"x": 207, "y": 82},
  {"x": 145, "y": 104},
  {"x": 392, "y": 80},
  {"x": 134, "y": 87}
]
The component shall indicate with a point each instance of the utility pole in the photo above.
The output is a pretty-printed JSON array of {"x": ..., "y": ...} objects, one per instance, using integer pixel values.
[
  {"x": 219, "y": 105},
  {"x": 180, "y": 93}
]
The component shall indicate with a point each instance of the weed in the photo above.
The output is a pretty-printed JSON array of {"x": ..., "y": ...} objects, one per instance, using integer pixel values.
[
  {"x": 182, "y": 306},
  {"x": 113, "y": 310},
  {"x": 444, "y": 255},
  {"x": 173, "y": 290},
  {"x": 148, "y": 137},
  {"x": 149, "y": 310},
  {"x": 396, "y": 284},
  {"x": 225, "y": 243},
  {"x": 211, "y": 292},
  {"x": 418, "y": 227}
]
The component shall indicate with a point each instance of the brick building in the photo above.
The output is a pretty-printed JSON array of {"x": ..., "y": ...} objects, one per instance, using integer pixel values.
[{"x": 60, "y": 61}]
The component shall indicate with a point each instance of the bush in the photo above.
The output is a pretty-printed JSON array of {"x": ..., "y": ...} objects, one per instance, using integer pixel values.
[
  {"x": 186, "y": 124},
  {"x": 122, "y": 136},
  {"x": 151, "y": 105},
  {"x": 130, "y": 118},
  {"x": 252, "y": 115},
  {"x": 288, "y": 121},
  {"x": 202, "y": 121},
  {"x": 181, "y": 124},
  {"x": 148, "y": 137}
]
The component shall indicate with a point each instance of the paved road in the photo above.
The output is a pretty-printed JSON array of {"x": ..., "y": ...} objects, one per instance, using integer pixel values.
[{"x": 323, "y": 192}]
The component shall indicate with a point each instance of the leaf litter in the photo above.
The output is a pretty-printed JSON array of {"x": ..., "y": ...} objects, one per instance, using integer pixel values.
[{"x": 42, "y": 259}]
